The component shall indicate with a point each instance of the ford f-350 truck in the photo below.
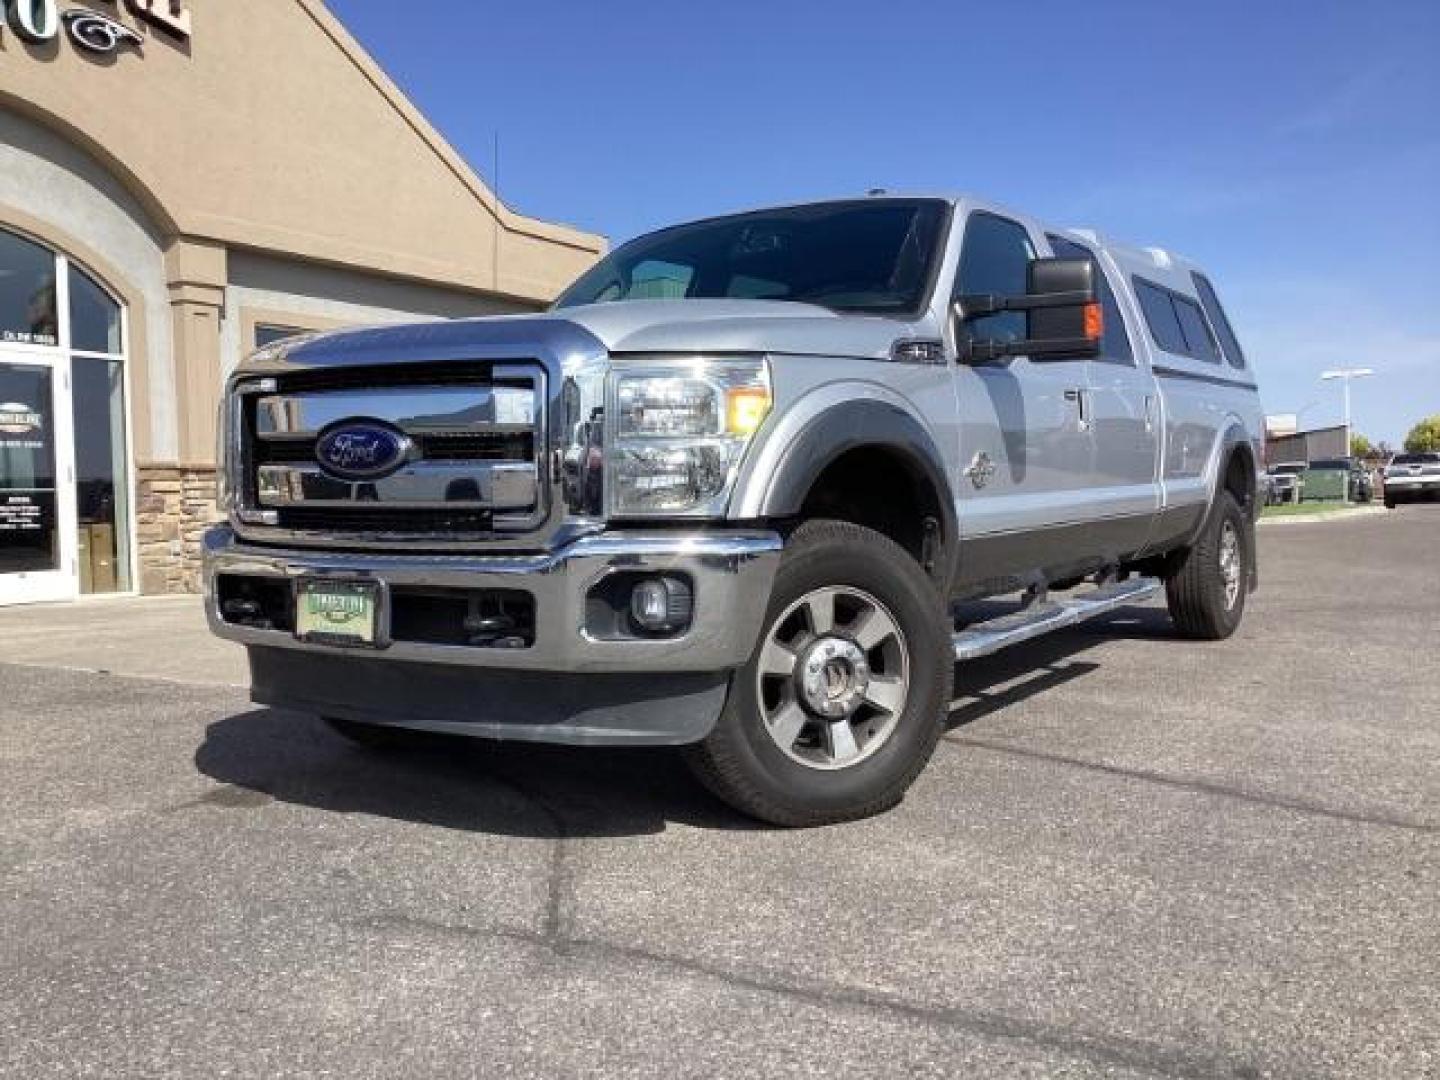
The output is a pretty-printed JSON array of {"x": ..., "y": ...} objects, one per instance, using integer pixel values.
[{"x": 729, "y": 491}]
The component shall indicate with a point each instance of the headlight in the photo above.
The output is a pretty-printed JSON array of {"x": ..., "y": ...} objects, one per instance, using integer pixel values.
[{"x": 681, "y": 428}]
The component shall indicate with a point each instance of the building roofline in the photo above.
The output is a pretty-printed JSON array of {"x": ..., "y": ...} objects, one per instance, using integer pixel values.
[{"x": 507, "y": 219}]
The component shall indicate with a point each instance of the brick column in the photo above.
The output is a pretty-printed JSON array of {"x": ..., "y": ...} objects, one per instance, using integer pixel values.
[{"x": 176, "y": 500}]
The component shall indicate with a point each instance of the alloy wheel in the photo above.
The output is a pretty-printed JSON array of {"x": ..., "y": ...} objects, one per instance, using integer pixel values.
[{"x": 833, "y": 678}]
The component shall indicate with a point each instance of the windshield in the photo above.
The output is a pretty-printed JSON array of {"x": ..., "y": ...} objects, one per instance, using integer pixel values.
[
  {"x": 1415, "y": 459},
  {"x": 1331, "y": 463},
  {"x": 873, "y": 255},
  {"x": 1288, "y": 470}
]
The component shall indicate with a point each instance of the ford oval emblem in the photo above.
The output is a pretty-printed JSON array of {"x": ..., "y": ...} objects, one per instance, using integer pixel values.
[{"x": 362, "y": 449}]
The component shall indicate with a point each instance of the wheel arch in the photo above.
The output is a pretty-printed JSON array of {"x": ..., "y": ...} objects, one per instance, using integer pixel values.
[
  {"x": 1235, "y": 471},
  {"x": 862, "y": 434}
]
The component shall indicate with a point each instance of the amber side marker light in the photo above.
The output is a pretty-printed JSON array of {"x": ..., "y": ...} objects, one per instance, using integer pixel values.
[
  {"x": 1094, "y": 322},
  {"x": 746, "y": 409}
]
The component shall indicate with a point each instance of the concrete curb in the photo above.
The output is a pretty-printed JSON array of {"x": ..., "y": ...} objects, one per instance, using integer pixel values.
[{"x": 1359, "y": 514}]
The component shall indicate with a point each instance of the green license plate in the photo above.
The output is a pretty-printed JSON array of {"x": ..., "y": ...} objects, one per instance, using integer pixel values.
[{"x": 337, "y": 612}]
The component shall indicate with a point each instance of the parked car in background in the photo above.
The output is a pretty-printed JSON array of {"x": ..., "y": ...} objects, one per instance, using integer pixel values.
[
  {"x": 1411, "y": 477},
  {"x": 1285, "y": 482},
  {"x": 1360, "y": 487}
]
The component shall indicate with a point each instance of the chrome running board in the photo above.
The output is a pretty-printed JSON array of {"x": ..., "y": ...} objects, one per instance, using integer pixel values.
[{"x": 983, "y": 639}]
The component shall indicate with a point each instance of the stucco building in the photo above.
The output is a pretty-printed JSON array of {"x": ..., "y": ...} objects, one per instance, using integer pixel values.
[{"x": 181, "y": 181}]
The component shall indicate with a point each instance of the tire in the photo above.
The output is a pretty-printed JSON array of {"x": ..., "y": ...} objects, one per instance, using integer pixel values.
[
  {"x": 376, "y": 737},
  {"x": 1207, "y": 600},
  {"x": 809, "y": 772},
  {"x": 1390, "y": 503}
]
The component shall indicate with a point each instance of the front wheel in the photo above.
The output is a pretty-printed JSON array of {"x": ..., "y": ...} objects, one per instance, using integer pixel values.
[
  {"x": 1207, "y": 591},
  {"x": 844, "y": 699}
]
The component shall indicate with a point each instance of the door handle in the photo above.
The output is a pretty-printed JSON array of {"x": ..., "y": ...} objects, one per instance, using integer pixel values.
[
  {"x": 1081, "y": 398},
  {"x": 1149, "y": 414}
]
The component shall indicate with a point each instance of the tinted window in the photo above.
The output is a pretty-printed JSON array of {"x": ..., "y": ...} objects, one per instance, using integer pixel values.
[
  {"x": 1160, "y": 316},
  {"x": 1415, "y": 459},
  {"x": 1218, "y": 319},
  {"x": 995, "y": 259},
  {"x": 1116, "y": 345},
  {"x": 94, "y": 317},
  {"x": 654, "y": 279},
  {"x": 27, "y": 293},
  {"x": 269, "y": 335},
  {"x": 1197, "y": 332},
  {"x": 875, "y": 256}
]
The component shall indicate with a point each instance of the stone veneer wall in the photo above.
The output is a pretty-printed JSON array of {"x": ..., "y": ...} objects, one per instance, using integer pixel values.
[{"x": 176, "y": 504}]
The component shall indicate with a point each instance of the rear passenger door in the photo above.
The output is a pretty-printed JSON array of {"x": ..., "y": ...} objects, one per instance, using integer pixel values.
[
  {"x": 1123, "y": 408},
  {"x": 1188, "y": 364}
]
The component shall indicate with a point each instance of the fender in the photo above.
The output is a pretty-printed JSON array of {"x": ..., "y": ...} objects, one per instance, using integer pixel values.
[
  {"x": 1234, "y": 438},
  {"x": 778, "y": 478}
]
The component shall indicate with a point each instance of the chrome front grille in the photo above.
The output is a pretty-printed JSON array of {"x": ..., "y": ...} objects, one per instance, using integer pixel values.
[{"x": 473, "y": 467}]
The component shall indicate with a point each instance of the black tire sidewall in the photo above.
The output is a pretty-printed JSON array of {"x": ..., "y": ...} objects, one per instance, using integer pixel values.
[{"x": 1226, "y": 619}]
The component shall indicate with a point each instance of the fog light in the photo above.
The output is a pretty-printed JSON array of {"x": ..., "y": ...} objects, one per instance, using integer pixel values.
[{"x": 661, "y": 605}]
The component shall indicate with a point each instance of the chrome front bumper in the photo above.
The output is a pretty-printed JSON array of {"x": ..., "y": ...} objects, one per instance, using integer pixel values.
[{"x": 731, "y": 571}]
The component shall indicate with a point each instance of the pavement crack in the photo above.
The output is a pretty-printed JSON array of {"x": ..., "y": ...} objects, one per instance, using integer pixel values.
[
  {"x": 560, "y": 878},
  {"x": 1202, "y": 787},
  {"x": 1111, "y": 1050}
]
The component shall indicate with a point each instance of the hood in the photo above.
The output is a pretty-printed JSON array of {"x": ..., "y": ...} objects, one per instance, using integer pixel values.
[
  {"x": 736, "y": 326},
  {"x": 635, "y": 326}
]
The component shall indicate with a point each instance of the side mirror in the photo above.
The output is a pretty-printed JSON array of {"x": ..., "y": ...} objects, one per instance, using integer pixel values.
[{"x": 1063, "y": 318}]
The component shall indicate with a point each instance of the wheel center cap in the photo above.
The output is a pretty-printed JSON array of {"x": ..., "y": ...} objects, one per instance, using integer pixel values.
[{"x": 832, "y": 677}]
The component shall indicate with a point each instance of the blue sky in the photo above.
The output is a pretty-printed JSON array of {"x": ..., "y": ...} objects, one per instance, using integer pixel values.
[{"x": 1292, "y": 148}]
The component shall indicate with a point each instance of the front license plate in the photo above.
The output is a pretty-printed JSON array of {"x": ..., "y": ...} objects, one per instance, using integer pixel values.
[{"x": 337, "y": 612}]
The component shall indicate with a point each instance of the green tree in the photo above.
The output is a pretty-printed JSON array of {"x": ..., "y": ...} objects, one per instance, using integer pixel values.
[
  {"x": 1424, "y": 437},
  {"x": 1360, "y": 446}
]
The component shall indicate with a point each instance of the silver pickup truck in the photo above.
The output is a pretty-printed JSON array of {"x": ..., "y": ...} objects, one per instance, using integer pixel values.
[{"x": 730, "y": 491}]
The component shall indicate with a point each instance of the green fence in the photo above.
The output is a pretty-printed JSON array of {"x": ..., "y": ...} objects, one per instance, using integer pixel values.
[{"x": 1326, "y": 485}]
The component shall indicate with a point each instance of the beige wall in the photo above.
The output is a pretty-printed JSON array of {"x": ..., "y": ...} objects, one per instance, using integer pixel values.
[
  {"x": 266, "y": 138},
  {"x": 272, "y": 129},
  {"x": 262, "y": 170}
]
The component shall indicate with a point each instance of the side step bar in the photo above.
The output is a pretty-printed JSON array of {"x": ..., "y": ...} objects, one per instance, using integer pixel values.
[{"x": 984, "y": 639}]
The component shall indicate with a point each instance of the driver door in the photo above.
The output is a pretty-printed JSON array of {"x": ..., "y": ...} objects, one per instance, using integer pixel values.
[{"x": 1027, "y": 451}]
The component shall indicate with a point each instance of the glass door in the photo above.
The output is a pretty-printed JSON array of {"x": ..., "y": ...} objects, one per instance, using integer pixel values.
[{"x": 37, "y": 478}]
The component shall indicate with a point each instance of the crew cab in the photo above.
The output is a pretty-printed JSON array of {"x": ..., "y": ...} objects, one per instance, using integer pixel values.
[{"x": 727, "y": 493}]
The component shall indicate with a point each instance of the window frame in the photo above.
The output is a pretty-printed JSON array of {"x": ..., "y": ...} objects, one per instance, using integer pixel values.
[
  {"x": 928, "y": 286},
  {"x": 1181, "y": 303},
  {"x": 956, "y": 291},
  {"x": 1129, "y": 360},
  {"x": 284, "y": 330},
  {"x": 1175, "y": 296},
  {"x": 1138, "y": 282},
  {"x": 1223, "y": 329},
  {"x": 60, "y": 359}
]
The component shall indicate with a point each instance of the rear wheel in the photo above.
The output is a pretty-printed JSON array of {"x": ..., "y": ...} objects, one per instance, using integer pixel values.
[
  {"x": 1207, "y": 591},
  {"x": 1390, "y": 503},
  {"x": 843, "y": 701}
]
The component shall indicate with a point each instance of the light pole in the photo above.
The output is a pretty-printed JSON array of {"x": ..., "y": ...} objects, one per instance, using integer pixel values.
[{"x": 1346, "y": 376}]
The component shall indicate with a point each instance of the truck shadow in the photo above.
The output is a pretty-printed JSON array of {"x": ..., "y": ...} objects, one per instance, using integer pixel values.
[
  {"x": 511, "y": 789},
  {"x": 554, "y": 792}
]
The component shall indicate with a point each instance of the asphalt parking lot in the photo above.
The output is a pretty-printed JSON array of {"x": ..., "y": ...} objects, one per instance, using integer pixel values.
[{"x": 1133, "y": 856}]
